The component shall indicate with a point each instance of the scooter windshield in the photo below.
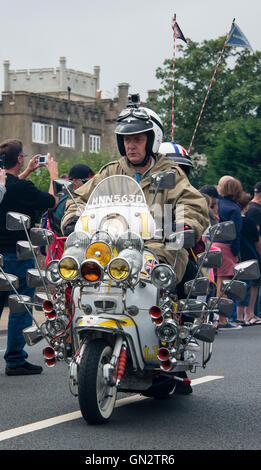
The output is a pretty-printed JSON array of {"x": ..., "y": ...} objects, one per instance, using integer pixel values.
[{"x": 117, "y": 205}]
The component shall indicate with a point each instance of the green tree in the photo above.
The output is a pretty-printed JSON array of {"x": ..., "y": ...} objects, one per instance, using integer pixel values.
[
  {"x": 237, "y": 152},
  {"x": 235, "y": 92}
]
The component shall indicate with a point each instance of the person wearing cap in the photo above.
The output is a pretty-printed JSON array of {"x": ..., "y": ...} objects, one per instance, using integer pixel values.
[{"x": 79, "y": 174}]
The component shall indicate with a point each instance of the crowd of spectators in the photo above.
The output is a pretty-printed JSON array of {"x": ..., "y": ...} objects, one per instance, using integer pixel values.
[{"x": 228, "y": 201}]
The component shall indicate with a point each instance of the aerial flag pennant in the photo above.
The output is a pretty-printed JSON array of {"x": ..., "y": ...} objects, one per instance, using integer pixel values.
[
  {"x": 177, "y": 30},
  {"x": 237, "y": 38},
  {"x": 177, "y": 34}
]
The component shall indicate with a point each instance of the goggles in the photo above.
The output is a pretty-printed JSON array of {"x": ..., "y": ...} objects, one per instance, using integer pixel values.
[{"x": 135, "y": 112}]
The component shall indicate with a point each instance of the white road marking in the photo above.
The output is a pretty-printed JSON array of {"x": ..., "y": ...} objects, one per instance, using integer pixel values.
[
  {"x": 46, "y": 423},
  {"x": 207, "y": 378}
]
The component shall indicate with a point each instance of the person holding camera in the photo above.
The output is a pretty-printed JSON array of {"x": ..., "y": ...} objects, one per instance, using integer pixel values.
[{"x": 24, "y": 197}]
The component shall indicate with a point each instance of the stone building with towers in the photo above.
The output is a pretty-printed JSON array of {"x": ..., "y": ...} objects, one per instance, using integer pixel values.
[{"x": 60, "y": 110}]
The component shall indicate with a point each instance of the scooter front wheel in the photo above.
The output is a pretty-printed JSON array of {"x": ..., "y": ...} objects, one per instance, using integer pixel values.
[{"x": 96, "y": 397}]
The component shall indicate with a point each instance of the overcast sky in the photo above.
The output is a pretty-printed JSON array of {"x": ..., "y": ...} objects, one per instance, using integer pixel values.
[{"x": 127, "y": 39}]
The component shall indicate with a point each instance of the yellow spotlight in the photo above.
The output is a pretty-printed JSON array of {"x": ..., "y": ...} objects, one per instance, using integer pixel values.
[
  {"x": 68, "y": 267},
  {"x": 119, "y": 269},
  {"x": 99, "y": 251}
]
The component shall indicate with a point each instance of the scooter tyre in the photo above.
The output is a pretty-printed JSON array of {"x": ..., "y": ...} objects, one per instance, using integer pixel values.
[{"x": 96, "y": 398}]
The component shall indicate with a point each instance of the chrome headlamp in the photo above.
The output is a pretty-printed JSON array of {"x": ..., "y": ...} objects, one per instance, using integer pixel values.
[
  {"x": 167, "y": 332},
  {"x": 102, "y": 236},
  {"x": 129, "y": 240},
  {"x": 115, "y": 224},
  {"x": 79, "y": 239},
  {"x": 52, "y": 272},
  {"x": 163, "y": 276}
]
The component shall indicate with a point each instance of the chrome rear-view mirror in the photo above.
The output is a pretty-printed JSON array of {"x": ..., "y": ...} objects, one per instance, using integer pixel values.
[
  {"x": 17, "y": 303},
  {"x": 32, "y": 335},
  {"x": 234, "y": 289},
  {"x": 247, "y": 270},
  {"x": 213, "y": 259},
  {"x": 163, "y": 180},
  {"x": 41, "y": 236},
  {"x": 24, "y": 251},
  {"x": 62, "y": 186},
  {"x": 200, "y": 286},
  {"x": 17, "y": 221},
  {"x": 34, "y": 278},
  {"x": 8, "y": 282},
  {"x": 224, "y": 231},
  {"x": 222, "y": 304}
]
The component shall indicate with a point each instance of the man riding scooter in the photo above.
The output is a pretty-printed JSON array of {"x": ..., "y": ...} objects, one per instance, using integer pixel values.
[{"x": 139, "y": 134}]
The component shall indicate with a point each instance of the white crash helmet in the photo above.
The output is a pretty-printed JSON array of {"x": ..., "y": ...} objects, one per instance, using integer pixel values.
[
  {"x": 138, "y": 119},
  {"x": 178, "y": 154}
]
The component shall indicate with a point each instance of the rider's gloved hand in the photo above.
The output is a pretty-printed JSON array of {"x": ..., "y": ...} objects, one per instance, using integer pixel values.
[{"x": 69, "y": 227}]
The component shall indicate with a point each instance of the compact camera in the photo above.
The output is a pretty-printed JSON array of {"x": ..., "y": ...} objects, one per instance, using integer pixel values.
[{"x": 43, "y": 159}]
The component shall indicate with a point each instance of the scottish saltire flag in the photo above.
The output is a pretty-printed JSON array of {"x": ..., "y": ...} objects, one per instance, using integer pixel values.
[
  {"x": 237, "y": 38},
  {"x": 178, "y": 32}
]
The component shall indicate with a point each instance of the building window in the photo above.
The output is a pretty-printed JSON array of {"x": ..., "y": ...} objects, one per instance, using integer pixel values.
[
  {"x": 83, "y": 142},
  {"x": 42, "y": 133},
  {"x": 66, "y": 137},
  {"x": 94, "y": 143}
]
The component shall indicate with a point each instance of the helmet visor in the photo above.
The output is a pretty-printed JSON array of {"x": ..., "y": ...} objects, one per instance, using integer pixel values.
[{"x": 133, "y": 126}]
